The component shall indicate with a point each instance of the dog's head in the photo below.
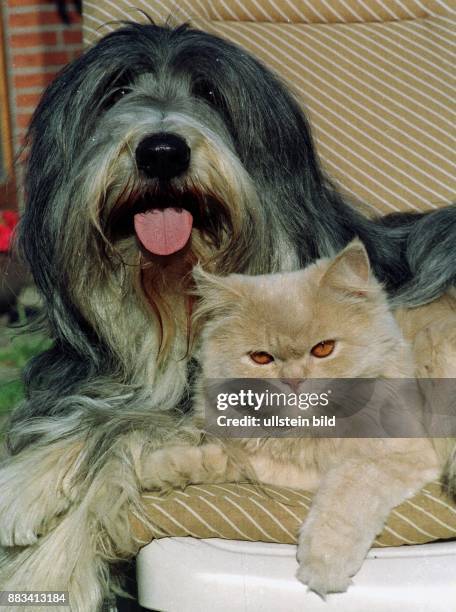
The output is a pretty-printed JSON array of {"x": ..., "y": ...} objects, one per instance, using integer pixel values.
[{"x": 159, "y": 147}]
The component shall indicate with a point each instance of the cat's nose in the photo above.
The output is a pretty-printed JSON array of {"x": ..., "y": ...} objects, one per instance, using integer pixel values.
[{"x": 293, "y": 383}]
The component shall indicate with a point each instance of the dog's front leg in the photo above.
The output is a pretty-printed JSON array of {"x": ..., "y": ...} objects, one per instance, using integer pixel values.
[
  {"x": 350, "y": 509},
  {"x": 36, "y": 486}
]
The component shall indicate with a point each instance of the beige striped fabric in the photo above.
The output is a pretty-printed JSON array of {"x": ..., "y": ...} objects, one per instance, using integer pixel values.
[
  {"x": 376, "y": 77},
  {"x": 272, "y": 514}
]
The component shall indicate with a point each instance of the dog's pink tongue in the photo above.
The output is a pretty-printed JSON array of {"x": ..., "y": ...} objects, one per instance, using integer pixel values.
[{"x": 164, "y": 231}]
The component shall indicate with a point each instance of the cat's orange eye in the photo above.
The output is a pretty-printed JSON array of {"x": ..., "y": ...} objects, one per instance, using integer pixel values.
[
  {"x": 261, "y": 357},
  {"x": 323, "y": 349}
]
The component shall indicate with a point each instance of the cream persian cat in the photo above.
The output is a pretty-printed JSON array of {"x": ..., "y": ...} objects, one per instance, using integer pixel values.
[{"x": 330, "y": 320}]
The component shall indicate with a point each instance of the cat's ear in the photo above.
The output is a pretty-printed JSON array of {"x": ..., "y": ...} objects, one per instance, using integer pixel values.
[
  {"x": 350, "y": 272},
  {"x": 216, "y": 293}
]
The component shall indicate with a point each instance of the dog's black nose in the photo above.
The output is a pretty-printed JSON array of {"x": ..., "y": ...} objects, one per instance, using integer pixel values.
[{"x": 163, "y": 156}]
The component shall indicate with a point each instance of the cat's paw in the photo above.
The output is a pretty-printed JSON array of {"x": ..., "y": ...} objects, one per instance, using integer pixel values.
[
  {"x": 328, "y": 559},
  {"x": 163, "y": 469},
  {"x": 176, "y": 467},
  {"x": 322, "y": 577},
  {"x": 435, "y": 349}
]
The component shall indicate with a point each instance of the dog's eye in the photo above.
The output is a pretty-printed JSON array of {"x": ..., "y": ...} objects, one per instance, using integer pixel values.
[
  {"x": 206, "y": 91},
  {"x": 323, "y": 348},
  {"x": 115, "y": 96},
  {"x": 261, "y": 357}
]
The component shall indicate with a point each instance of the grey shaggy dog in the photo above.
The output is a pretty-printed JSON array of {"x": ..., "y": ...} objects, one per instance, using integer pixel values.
[{"x": 175, "y": 125}]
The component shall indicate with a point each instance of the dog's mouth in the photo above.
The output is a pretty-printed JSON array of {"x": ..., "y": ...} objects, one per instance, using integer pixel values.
[{"x": 163, "y": 220}]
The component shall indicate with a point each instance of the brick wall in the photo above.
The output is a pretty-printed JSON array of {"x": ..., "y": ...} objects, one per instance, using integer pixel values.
[{"x": 38, "y": 46}]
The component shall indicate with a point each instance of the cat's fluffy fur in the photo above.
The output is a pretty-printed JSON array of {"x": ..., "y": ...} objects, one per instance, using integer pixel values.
[{"x": 287, "y": 314}]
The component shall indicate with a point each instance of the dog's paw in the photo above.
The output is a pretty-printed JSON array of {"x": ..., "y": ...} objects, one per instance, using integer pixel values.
[
  {"x": 24, "y": 520},
  {"x": 328, "y": 559},
  {"x": 18, "y": 524},
  {"x": 27, "y": 509},
  {"x": 17, "y": 533}
]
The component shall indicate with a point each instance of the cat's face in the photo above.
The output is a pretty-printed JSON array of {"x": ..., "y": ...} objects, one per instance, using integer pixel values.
[{"x": 329, "y": 320}]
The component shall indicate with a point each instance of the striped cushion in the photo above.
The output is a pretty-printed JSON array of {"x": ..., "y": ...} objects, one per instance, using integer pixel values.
[
  {"x": 376, "y": 76},
  {"x": 272, "y": 514}
]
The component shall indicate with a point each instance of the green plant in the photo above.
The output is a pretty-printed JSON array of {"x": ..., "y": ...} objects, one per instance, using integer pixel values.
[{"x": 18, "y": 348}]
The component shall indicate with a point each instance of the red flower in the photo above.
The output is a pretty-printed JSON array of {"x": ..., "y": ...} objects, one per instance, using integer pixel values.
[
  {"x": 8, "y": 221},
  {"x": 10, "y": 218}
]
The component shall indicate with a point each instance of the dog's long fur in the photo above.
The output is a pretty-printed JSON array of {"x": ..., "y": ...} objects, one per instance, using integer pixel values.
[{"x": 109, "y": 389}]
